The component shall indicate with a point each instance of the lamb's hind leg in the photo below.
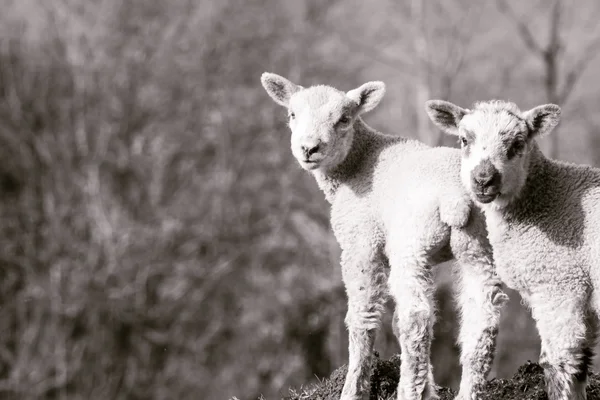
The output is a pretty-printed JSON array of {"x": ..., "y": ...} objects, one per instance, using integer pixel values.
[
  {"x": 480, "y": 300},
  {"x": 562, "y": 322},
  {"x": 364, "y": 271}
]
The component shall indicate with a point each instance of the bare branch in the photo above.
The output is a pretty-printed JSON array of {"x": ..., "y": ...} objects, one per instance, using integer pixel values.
[
  {"x": 405, "y": 66},
  {"x": 524, "y": 31},
  {"x": 401, "y": 7},
  {"x": 456, "y": 9},
  {"x": 369, "y": 51},
  {"x": 555, "y": 45},
  {"x": 589, "y": 54}
]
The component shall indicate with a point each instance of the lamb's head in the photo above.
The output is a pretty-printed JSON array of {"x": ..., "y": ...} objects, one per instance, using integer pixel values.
[
  {"x": 321, "y": 118},
  {"x": 496, "y": 139}
]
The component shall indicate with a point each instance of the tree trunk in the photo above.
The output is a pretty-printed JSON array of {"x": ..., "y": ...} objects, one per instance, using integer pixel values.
[{"x": 422, "y": 70}]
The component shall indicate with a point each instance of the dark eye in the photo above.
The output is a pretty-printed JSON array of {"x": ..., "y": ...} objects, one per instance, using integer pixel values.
[
  {"x": 292, "y": 115},
  {"x": 516, "y": 148},
  {"x": 463, "y": 141},
  {"x": 344, "y": 120},
  {"x": 518, "y": 145}
]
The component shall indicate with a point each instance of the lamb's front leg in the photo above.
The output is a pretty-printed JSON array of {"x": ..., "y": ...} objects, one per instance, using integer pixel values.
[
  {"x": 480, "y": 299},
  {"x": 412, "y": 288},
  {"x": 563, "y": 323},
  {"x": 364, "y": 272}
]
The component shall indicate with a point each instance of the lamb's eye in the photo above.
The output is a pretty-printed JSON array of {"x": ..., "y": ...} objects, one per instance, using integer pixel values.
[
  {"x": 292, "y": 115},
  {"x": 518, "y": 146},
  {"x": 463, "y": 141},
  {"x": 344, "y": 120}
]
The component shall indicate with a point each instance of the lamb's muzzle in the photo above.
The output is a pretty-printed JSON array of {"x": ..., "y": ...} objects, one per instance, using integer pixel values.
[
  {"x": 486, "y": 181},
  {"x": 309, "y": 150}
]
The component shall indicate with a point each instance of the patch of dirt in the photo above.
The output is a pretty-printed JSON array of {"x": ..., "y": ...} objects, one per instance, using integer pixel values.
[{"x": 526, "y": 384}]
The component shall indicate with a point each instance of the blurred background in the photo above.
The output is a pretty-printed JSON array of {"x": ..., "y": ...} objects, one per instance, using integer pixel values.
[{"x": 157, "y": 238}]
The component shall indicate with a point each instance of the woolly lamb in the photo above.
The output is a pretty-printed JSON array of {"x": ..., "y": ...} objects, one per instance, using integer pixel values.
[
  {"x": 543, "y": 218},
  {"x": 397, "y": 208}
]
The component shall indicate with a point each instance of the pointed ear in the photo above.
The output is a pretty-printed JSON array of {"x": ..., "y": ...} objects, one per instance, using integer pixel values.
[
  {"x": 445, "y": 115},
  {"x": 542, "y": 119},
  {"x": 279, "y": 88},
  {"x": 367, "y": 96}
]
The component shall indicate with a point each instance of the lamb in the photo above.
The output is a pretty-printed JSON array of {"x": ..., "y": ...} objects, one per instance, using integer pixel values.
[
  {"x": 543, "y": 218},
  {"x": 397, "y": 209}
]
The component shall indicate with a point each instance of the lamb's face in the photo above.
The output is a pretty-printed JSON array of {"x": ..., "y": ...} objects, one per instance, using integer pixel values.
[
  {"x": 496, "y": 138},
  {"x": 321, "y": 119},
  {"x": 494, "y": 142}
]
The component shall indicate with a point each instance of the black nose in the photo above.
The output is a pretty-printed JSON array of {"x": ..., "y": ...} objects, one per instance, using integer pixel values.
[
  {"x": 485, "y": 181},
  {"x": 308, "y": 150},
  {"x": 486, "y": 175}
]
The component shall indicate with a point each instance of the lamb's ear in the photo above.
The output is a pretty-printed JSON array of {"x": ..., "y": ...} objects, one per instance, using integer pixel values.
[
  {"x": 542, "y": 119},
  {"x": 367, "y": 96},
  {"x": 445, "y": 115},
  {"x": 279, "y": 88}
]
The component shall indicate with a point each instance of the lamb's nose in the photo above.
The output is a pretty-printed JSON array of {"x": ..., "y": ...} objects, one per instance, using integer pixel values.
[
  {"x": 310, "y": 149},
  {"x": 485, "y": 180},
  {"x": 485, "y": 174}
]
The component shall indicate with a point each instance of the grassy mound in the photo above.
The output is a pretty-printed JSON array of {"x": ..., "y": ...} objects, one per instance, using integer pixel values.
[{"x": 526, "y": 384}]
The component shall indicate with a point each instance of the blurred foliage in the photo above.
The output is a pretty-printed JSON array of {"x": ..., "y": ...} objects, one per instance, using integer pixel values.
[{"x": 157, "y": 239}]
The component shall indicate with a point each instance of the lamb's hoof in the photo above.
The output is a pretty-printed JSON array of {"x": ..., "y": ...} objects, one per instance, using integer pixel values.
[
  {"x": 365, "y": 396},
  {"x": 430, "y": 393},
  {"x": 425, "y": 397},
  {"x": 462, "y": 396}
]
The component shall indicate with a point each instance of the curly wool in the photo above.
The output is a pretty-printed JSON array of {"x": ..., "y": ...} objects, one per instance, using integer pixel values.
[
  {"x": 397, "y": 208},
  {"x": 547, "y": 246},
  {"x": 544, "y": 227},
  {"x": 557, "y": 214},
  {"x": 397, "y": 199}
]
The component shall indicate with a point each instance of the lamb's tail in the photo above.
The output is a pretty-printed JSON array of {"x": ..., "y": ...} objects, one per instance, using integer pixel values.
[{"x": 455, "y": 210}]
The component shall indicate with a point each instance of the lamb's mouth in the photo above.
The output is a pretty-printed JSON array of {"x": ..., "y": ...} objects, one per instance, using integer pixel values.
[
  {"x": 486, "y": 198},
  {"x": 310, "y": 164}
]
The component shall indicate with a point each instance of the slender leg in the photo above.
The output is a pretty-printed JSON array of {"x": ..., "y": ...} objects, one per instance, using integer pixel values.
[
  {"x": 412, "y": 287},
  {"x": 365, "y": 280},
  {"x": 591, "y": 339},
  {"x": 480, "y": 300},
  {"x": 396, "y": 330},
  {"x": 562, "y": 322}
]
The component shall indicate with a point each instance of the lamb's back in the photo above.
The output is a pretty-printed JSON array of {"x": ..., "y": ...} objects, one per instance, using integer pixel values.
[{"x": 399, "y": 187}]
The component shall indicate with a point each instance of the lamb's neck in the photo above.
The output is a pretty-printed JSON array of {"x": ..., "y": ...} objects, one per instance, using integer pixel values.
[{"x": 330, "y": 180}]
